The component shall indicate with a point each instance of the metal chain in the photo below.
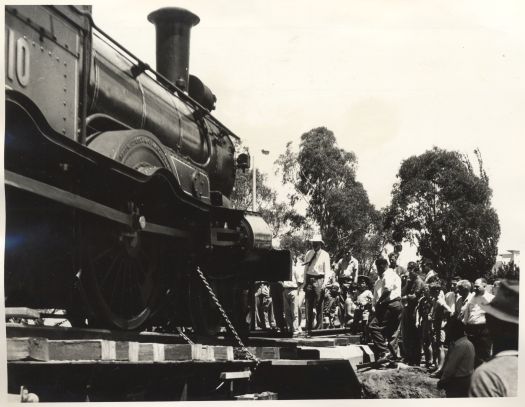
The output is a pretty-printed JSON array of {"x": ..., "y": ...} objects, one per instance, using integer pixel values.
[
  {"x": 184, "y": 336},
  {"x": 244, "y": 349}
]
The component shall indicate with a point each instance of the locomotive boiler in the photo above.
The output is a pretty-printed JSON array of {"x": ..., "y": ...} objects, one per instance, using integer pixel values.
[{"x": 118, "y": 179}]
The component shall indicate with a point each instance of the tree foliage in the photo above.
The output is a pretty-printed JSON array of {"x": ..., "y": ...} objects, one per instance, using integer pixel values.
[
  {"x": 323, "y": 175},
  {"x": 443, "y": 206}
]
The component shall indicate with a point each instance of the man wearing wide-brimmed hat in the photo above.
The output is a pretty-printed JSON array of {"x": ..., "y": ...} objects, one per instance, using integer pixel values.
[
  {"x": 499, "y": 376},
  {"x": 316, "y": 274}
]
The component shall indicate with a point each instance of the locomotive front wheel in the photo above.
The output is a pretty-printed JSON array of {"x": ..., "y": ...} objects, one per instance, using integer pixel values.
[
  {"x": 122, "y": 274},
  {"x": 124, "y": 268}
]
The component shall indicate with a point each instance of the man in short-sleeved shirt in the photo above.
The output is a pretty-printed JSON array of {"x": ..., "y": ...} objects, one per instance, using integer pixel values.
[
  {"x": 388, "y": 307},
  {"x": 475, "y": 322}
]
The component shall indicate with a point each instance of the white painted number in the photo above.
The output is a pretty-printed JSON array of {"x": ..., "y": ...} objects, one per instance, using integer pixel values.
[{"x": 18, "y": 58}]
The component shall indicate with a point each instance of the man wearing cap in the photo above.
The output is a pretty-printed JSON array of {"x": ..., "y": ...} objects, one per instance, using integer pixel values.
[
  {"x": 475, "y": 322},
  {"x": 317, "y": 272},
  {"x": 499, "y": 376}
]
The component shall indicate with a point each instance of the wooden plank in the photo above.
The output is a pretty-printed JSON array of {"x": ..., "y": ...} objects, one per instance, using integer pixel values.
[
  {"x": 195, "y": 352},
  {"x": 265, "y": 395},
  {"x": 352, "y": 353},
  {"x": 66, "y": 333},
  {"x": 206, "y": 352},
  {"x": 127, "y": 351},
  {"x": 368, "y": 355},
  {"x": 152, "y": 352},
  {"x": 27, "y": 349},
  {"x": 223, "y": 352},
  {"x": 272, "y": 352},
  {"x": 21, "y": 312},
  {"x": 245, "y": 374},
  {"x": 307, "y": 353},
  {"x": 82, "y": 349}
]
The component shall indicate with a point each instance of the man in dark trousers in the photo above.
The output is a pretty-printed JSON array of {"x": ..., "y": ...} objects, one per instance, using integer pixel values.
[
  {"x": 317, "y": 272},
  {"x": 411, "y": 293},
  {"x": 388, "y": 307}
]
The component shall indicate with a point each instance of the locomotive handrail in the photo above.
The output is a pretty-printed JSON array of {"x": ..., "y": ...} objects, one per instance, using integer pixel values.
[{"x": 165, "y": 82}]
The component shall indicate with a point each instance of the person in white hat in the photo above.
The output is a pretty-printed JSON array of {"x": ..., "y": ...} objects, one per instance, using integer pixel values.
[
  {"x": 499, "y": 376},
  {"x": 317, "y": 272}
]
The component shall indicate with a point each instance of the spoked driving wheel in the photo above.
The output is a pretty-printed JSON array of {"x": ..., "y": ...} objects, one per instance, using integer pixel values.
[
  {"x": 123, "y": 275},
  {"x": 123, "y": 268}
]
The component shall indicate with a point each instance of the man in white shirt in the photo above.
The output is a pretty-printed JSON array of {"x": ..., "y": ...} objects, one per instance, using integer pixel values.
[
  {"x": 388, "y": 307},
  {"x": 293, "y": 296},
  {"x": 475, "y": 322},
  {"x": 347, "y": 267},
  {"x": 317, "y": 272}
]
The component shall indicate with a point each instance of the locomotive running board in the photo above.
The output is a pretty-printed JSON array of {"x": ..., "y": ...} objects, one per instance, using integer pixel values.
[{"x": 67, "y": 198}]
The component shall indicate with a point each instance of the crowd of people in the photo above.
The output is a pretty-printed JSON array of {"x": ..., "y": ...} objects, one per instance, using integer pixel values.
[{"x": 458, "y": 330}]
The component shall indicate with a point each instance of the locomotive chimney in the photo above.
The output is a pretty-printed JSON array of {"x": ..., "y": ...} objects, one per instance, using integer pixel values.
[{"x": 173, "y": 25}]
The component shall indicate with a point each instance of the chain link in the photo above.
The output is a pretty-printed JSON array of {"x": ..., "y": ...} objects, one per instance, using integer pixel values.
[
  {"x": 184, "y": 336},
  {"x": 244, "y": 349}
]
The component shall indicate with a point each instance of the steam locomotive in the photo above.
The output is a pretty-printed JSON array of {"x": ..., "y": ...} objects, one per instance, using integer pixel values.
[{"x": 118, "y": 178}]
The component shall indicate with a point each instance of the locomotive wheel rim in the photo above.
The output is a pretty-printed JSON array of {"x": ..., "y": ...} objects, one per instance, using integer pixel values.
[{"x": 125, "y": 285}]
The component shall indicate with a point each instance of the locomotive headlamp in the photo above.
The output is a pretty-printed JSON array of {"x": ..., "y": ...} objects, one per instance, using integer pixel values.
[{"x": 243, "y": 161}]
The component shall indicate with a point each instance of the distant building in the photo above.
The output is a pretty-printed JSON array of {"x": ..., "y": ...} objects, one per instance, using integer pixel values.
[
  {"x": 505, "y": 258},
  {"x": 509, "y": 256}
]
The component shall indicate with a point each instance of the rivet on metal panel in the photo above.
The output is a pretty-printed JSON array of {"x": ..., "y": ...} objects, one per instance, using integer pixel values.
[
  {"x": 33, "y": 43},
  {"x": 50, "y": 53},
  {"x": 65, "y": 63},
  {"x": 64, "y": 103},
  {"x": 63, "y": 131},
  {"x": 65, "y": 89},
  {"x": 67, "y": 46},
  {"x": 25, "y": 37},
  {"x": 42, "y": 49},
  {"x": 58, "y": 59},
  {"x": 65, "y": 75},
  {"x": 64, "y": 118}
]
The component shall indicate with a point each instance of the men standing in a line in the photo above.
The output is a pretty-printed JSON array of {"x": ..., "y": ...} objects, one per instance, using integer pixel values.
[
  {"x": 499, "y": 376},
  {"x": 387, "y": 303},
  {"x": 475, "y": 322},
  {"x": 316, "y": 275}
]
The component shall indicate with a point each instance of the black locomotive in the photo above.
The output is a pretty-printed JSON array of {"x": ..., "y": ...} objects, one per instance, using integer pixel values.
[{"x": 118, "y": 177}]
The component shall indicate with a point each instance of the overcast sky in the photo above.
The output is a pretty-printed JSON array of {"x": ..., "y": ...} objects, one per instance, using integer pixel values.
[{"x": 390, "y": 78}]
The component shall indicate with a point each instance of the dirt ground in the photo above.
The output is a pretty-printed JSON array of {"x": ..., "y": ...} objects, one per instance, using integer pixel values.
[{"x": 398, "y": 383}]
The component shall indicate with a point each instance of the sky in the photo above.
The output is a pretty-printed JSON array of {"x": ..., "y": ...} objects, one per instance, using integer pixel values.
[{"x": 391, "y": 79}]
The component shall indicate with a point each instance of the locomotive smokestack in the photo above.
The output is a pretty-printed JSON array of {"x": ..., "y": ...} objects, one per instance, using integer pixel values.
[{"x": 173, "y": 26}]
